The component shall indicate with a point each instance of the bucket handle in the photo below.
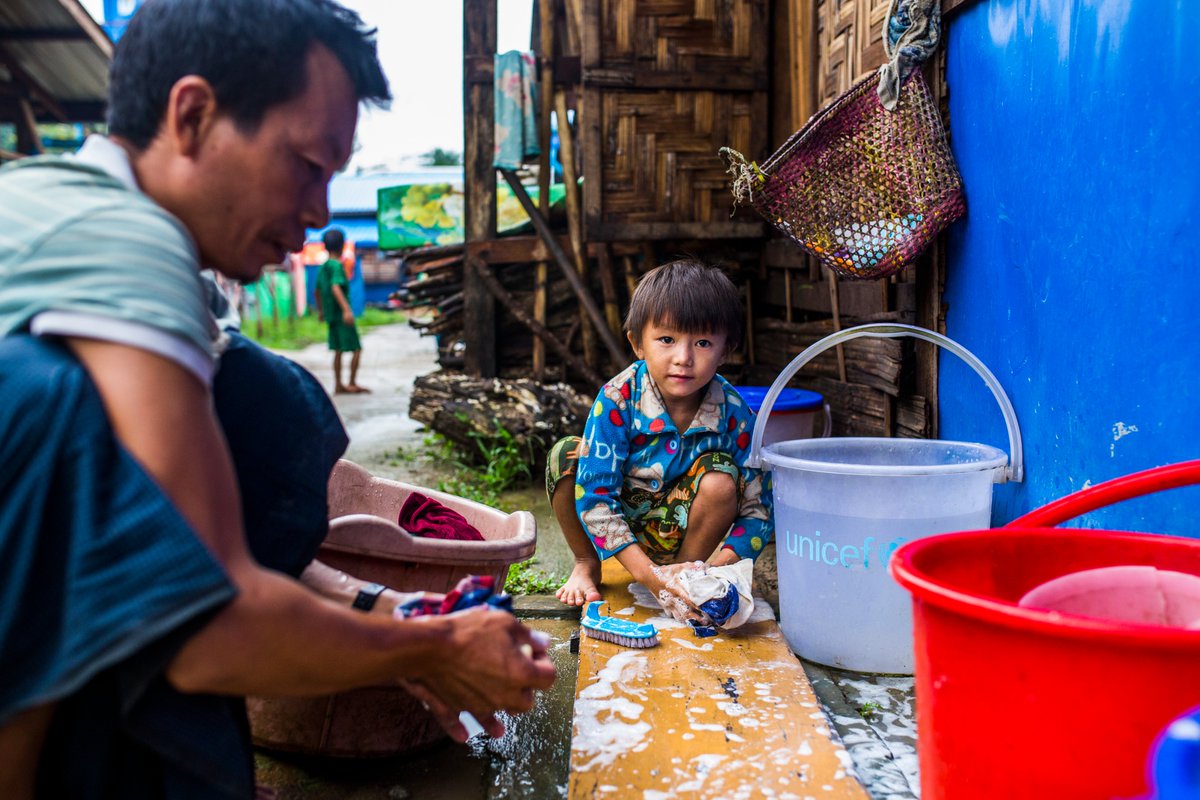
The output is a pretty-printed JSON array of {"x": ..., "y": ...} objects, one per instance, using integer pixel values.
[
  {"x": 1015, "y": 471},
  {"x": 1126, "y": 487}
]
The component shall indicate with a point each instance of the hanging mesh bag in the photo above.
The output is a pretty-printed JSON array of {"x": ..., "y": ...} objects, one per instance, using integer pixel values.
[{"x": 861, "y": 188}]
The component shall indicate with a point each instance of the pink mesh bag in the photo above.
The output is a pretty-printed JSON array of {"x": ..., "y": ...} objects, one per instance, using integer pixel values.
[{"x": 863, "y": 189}]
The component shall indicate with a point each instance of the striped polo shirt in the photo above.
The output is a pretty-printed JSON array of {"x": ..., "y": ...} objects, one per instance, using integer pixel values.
[{"x": 84, "y": 253}]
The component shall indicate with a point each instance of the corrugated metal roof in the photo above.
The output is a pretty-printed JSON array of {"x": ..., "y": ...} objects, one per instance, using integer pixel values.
[{"x": 61, "y": 50}]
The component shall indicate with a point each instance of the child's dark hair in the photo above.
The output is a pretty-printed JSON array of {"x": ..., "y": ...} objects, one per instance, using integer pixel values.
[
  {"x": 334, "y": 240},
  {"x": 688, "y": 295}
]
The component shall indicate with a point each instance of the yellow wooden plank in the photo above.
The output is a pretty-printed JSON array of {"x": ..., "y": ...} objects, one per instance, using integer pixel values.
[{"x": 731, "y": 717}]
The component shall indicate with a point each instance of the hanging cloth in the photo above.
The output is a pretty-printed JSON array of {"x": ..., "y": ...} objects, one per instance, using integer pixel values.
[
  {"x": 515, "y": 109},
  {"x": 911, "y": 35}
]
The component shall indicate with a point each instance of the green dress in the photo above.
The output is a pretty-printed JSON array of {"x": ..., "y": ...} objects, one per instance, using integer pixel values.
[{"x": 342, "y": 337}]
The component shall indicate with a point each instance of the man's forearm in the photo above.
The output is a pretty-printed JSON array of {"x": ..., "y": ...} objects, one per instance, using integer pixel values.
[
  {"x": 279, "y": 638},
  {"x": 341, "y": 588}
]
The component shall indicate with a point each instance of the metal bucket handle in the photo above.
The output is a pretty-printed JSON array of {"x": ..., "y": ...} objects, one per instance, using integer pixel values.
[{"x": 1015, "y": 471}]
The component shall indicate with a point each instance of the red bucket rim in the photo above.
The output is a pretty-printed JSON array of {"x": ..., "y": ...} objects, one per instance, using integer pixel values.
[{"x": 1008, "y": 614}]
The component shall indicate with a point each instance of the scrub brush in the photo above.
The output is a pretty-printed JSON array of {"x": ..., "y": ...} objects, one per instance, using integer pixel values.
[{"x": 624, "y": 632}]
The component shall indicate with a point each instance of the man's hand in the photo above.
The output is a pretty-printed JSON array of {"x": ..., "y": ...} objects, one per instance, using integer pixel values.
[{"x": 489, "y": 662}]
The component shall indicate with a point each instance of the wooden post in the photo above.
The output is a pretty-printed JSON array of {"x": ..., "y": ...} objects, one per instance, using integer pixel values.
[
  {"x": 28, "y": 141},
  {"x": 631, "y": 280},
  {"x": 836, "y": 307},
  {"x": 566, "y": 143},
  {"x": 787, "y": 293},
  {"x": 479, "y": 213},
  {"x": 545, "y": 10},
  {"x": 749, "y": 324},
  {"x": 608, "y": 286}
]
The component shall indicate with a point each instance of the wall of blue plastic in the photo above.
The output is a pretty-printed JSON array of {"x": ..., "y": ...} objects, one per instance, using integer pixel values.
[{"x": 1076, "y": 125}]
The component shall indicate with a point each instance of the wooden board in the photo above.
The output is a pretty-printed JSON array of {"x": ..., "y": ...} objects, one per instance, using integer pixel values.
[{"x": 732, "y": 716}]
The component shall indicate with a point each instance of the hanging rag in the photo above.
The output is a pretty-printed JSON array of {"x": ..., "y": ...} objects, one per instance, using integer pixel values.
[
  {"x": 913, "y": 30},
  {"x": 515, "y": 109},
  {"x": 425, "y": 517},
  {"x": 723, "y": 594},
  {"x": 471, "y": 591}
]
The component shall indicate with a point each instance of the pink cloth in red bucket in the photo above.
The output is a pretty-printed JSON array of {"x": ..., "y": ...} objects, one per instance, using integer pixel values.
[
  {"x": 423, "y": 516},
  {"x": 1138, "y": 594}
]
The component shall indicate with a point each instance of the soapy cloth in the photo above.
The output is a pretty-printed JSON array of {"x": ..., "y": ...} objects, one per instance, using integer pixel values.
[
  {"x": 723, "y": 594},
  {"x": 423, "y": 516},
  {"x": 473, "y": 590}
]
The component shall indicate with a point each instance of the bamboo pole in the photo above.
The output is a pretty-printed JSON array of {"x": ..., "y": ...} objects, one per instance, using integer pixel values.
[
  {"x": 631, "y": 280},
  {"x": 835, "y": 306},
  {"x": 612, "y": 310},
  {"x": 566, "y": 143},
  {"x": 545, "y": 109}
]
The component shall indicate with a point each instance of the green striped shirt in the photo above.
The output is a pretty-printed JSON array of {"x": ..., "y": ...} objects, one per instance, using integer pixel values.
[{"x": 75, "y": 239}]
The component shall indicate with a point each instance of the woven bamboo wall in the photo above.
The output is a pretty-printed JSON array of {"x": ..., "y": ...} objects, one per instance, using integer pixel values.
[{"x": 666, "y": 83}]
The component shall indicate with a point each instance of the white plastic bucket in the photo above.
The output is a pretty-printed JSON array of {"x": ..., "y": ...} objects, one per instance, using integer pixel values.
[
  {"x": 843, "y": 505},
  {"x": 796, "y": 414}
]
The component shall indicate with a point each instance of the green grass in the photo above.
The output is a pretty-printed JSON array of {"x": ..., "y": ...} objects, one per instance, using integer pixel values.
[
  {"x": 298, "y": 333},
  {"x": 523, "y": 578},
  {"x": 870, "y": 708}
]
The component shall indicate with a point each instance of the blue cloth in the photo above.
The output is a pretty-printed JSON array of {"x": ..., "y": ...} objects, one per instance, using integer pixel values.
[
  {"x": 515, "y": 109},
  {"x": 95, "y": 562},
  {"x": 629, "y": 439},
  {"x": 101, "y": 579},
  {"x": 719, "y": 610},
  {"x": 126, "y": 733}
]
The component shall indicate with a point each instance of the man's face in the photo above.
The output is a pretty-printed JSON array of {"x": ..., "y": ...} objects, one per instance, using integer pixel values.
[{"x": 253, "y": 195}]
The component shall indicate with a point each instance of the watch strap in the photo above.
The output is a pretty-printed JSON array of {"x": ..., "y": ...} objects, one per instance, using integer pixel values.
[{"x": 367, "y": 595}]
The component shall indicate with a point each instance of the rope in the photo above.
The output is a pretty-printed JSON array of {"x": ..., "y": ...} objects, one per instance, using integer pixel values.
[
  {"x": 746, "y": 175},
  {"x": 912, "y": 29}
]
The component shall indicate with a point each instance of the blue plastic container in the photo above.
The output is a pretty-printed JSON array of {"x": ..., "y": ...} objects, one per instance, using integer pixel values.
[
  {"x": 1175, "y": 763},
  {"x": 794, "y": 415}
]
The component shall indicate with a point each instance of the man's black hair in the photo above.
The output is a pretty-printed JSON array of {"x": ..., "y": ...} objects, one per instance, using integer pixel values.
[
  {"x": 334, "y": 240},
  {"x": 252, "y": 52}
]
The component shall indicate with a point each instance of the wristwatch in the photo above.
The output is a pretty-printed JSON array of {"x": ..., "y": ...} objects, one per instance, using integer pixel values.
[{"x": 367, "y": 596}]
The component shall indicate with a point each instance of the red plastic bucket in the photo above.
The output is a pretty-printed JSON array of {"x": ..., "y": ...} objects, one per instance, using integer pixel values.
[{"x": 1023, "y": 703}]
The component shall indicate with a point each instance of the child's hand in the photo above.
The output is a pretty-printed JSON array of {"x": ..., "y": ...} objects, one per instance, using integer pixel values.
[{"x": 663, "y": 583}]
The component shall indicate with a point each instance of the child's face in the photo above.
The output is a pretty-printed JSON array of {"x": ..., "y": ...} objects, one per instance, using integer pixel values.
[{"x": 681, "y": 364}]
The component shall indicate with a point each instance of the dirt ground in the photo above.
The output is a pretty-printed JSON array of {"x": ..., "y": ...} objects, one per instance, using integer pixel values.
[{"x": 386, "y": 442}]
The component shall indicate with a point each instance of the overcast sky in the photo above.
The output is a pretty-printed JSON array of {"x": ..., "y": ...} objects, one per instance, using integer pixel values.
[{"x": 420, "y": 45}]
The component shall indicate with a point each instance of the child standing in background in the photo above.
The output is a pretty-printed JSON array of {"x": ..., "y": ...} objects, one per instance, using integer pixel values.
[
  {"x": 659, "y": 478},
  {"x": 333, "y": 307}
]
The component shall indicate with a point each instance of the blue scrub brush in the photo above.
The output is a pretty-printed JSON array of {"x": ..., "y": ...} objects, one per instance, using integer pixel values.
[{"x": 624, "y": 632}]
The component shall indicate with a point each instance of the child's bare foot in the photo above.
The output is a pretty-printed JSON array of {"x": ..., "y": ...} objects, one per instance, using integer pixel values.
[
  {"x": 339, "y": 389},
  {"x": 354, "y": 388},
  {"x": 581, "y": 587}
]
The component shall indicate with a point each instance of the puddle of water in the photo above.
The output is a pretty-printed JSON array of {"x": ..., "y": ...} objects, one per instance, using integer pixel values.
[{"x": 533, "y": 758}]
